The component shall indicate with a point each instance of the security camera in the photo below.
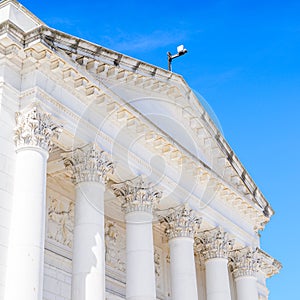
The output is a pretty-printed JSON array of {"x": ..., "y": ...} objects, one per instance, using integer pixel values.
[{"x": 181, "y": 50}]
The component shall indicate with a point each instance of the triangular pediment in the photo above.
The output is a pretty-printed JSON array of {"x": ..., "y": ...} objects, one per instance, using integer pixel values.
[
  {"x": 166, "y": 101},
  {"x": 149, "y": 99}
]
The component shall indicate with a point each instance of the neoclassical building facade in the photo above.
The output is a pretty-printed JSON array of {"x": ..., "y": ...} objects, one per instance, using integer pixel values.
[{"x": 115, "y": 183}]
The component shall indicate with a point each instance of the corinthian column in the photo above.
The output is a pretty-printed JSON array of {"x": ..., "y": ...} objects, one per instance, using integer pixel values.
[
  {"x": 139, "y": 200},
  {"x": 89, "y": 168},
  {"x": 215, "y": 245},
  {"x": 246, "y": 263},
  {"x": 181, "y": 228},
  {"x": 33, "y": 135}
]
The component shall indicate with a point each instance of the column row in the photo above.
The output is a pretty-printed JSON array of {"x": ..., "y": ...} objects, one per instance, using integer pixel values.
[
  {"x": 89, "y": 168},
  {"x": 216, "y": 249}
]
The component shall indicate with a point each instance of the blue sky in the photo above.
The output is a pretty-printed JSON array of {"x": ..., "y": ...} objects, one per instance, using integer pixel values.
[{"x": 244, "y": 59}]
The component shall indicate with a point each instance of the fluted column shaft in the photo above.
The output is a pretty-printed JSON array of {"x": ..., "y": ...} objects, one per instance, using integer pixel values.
[
  {"x": 181, "y": 227},
  {"x": 89, "y": 167},
  {"x": 215, "y": 246},
  {"x": 245, "y": 266},
  {"x": 33, "y": 135},
  {"x": 139, "y": 200}
]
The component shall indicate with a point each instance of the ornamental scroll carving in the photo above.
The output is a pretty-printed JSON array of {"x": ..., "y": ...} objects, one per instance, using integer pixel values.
[
  {"x": 35, "y": 128},
  {"x": 182, "y": 222},
  {"x": 137, "y": 195},
  {"x": 88, "y": 164},
  {"x": 245, "y": 262},
  {"x": 114, "y": 247},
  {"x": 214, "y": 243},
  {"x": 60, "y": 221}
]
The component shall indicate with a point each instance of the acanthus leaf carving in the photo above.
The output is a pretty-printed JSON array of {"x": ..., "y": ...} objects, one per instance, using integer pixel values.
[
  {"x": 245, "y": 262},
  {"x": 88, "y": 164},
  {"x": 137, "y": 196},
  {"x": 182, "y": 222},
  {"x": 214, "y": 243},
  {"x": 35, "y": 128}
]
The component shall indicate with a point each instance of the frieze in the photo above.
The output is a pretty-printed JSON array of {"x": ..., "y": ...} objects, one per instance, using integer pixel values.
[
  {"x": 60, "y": 221},
  {"x": 114, "y": 246}
]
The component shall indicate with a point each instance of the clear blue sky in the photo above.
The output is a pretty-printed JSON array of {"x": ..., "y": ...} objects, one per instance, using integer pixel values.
[{"x": 244, "y": 59}]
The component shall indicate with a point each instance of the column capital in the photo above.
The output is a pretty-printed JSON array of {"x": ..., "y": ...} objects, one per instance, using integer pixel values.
[
  {"x": 245, "y": 262},
  {"x": 214, "y": 243},
  {"x": 137, "y": 195},
  {"x": 88, "y": 164},
  {"x": 269, "y": 266},
  {"x": 35, "y": 128},
  {"x": 182, "y": 222}
]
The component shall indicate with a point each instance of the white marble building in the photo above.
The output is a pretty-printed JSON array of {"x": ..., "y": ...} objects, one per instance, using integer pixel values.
[{"x": 115, "y": 183}]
